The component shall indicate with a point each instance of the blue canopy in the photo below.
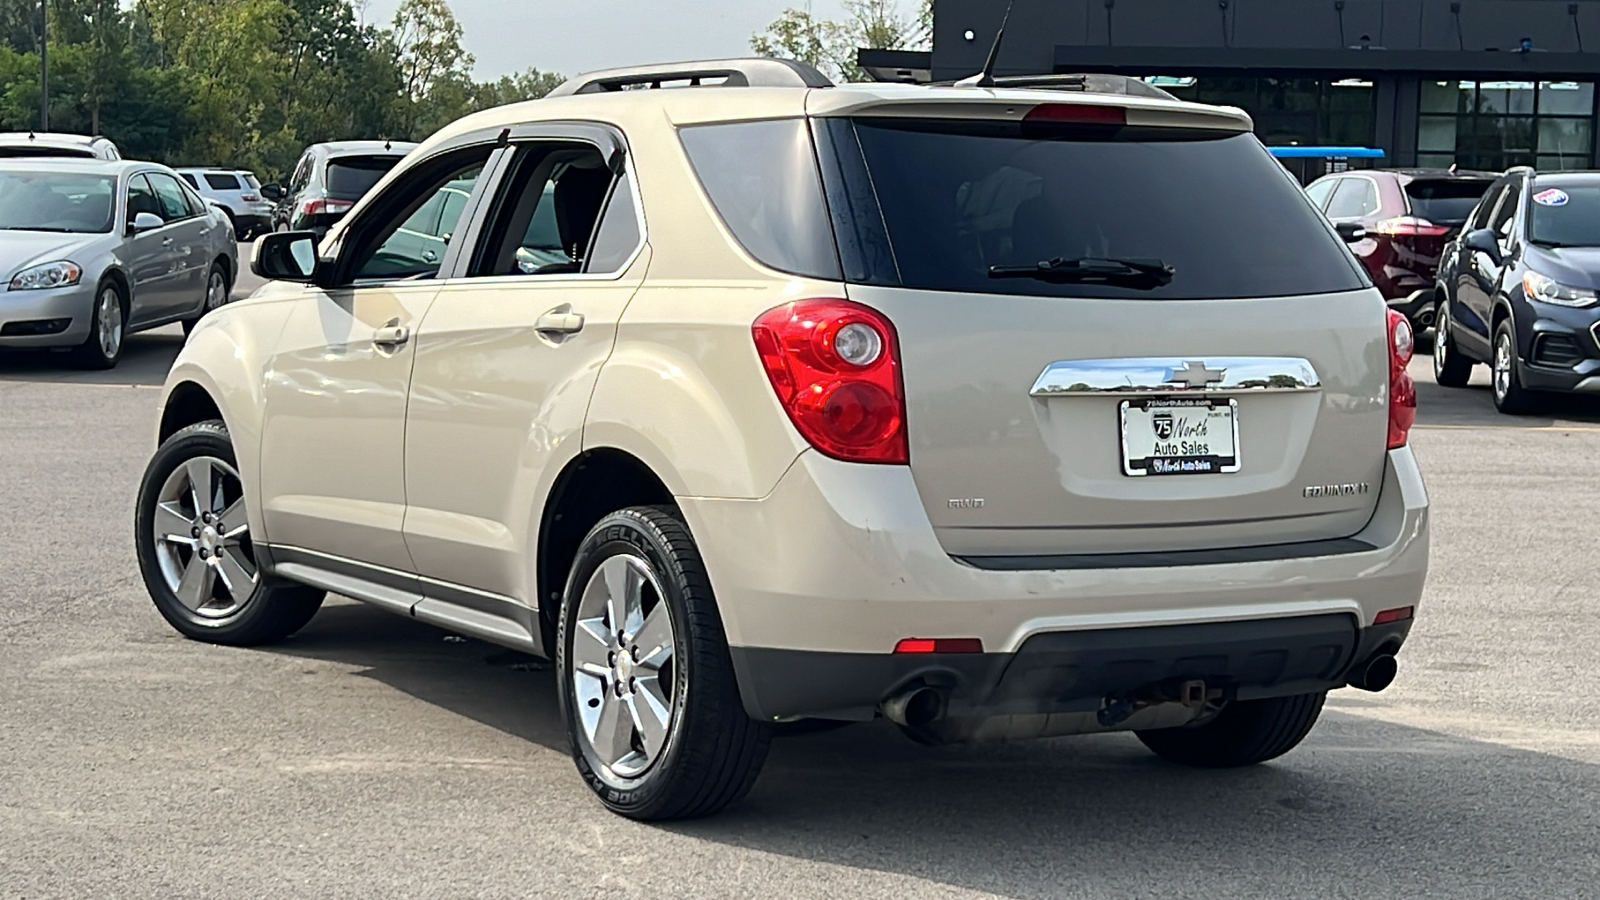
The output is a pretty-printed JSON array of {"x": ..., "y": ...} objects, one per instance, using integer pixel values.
[{"x": 1325, "y": 152}]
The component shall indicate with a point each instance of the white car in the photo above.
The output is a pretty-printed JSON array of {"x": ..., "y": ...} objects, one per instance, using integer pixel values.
[
  {"x": 238, "y": 193},
  {"x": 993, "y": 412},
  {"x": 28, "y": 144}
]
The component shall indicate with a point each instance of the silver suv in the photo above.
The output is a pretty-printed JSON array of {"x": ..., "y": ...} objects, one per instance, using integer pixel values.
[
  {"x": 993, "y": 412},
  {"x": 238, "y": 193}
]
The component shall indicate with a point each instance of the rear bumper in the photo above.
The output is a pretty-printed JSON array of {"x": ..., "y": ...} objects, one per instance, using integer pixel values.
[
  {"x": 1072, "y": 671},
  {"x": 840, "y": 562}
]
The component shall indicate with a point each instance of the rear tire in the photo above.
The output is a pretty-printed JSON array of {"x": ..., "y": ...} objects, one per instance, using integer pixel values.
[
  {"x": 1510, "y": 397},
  {"x": 1450, "y": 368},
  {"x": 179, "y": 525},
  {"x": 646, "y": 682},
  {"x": 1244, "y": 733}
]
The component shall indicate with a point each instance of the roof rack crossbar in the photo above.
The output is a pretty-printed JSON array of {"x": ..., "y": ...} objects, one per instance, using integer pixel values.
[{"x": 756, "y": 72}]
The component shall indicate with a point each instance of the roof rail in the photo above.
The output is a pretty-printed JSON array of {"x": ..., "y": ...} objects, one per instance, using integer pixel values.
[{"x": 756, "y": 72}]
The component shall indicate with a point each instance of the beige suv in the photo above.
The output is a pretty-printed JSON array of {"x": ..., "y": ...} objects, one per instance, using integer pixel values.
[{"x": 756, "y": 401}]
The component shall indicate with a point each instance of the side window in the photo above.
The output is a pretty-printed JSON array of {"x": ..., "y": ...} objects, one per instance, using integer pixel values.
[
  {"x": 1486, "y": 207},
  {"x": 413, "y": 235},
  {"x": 302, "y": 175},
  {"x": 1320, "y": 191},
  {"x": 1347, "y": 199},
  {"x": 222, "y": 181},
  {"x": 142, "y": 199},
  {"x": 1507, "y": 211},
  {"x": 188, "y": 178},
  {"x": 170, "y": 193},
  {"x": 545, "y": 216}
]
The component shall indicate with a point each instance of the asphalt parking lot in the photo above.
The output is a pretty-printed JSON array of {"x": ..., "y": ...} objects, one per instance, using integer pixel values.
[{"x": 372, "y": 756}]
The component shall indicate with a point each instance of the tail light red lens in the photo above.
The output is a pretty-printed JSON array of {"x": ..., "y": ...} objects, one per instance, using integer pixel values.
[
  {"x": 1410, "y": 225},
  {"x": 1077, "y": 114},
  {"x": 250, "y": 198},
  {"x": 1402, "y": 391},
  {"x": 835, "y": 366},
  {"x": 322, "y": 206},
  {"x": 939, "y": 645}
]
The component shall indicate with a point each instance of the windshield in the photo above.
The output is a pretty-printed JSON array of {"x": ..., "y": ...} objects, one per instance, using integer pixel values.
[
  {"x": 350, "y": 177},
  {"x": 1565, "y": 215},
  {"x": 55, "y": 201},
  {"x": 949, "y": 205},
  {"x": 1445, "y": 201}
]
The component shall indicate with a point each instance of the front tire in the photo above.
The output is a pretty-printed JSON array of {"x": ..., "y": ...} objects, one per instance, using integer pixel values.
[
  {"x": 1242, "y": 734},
  {"x": 1510, "y": 397},
  {"x": 193, "y": 539},
  {"x": 646, "y": 682},
  {"x": 108, "y": 329},
  {"x": 1450, "y": 368}
]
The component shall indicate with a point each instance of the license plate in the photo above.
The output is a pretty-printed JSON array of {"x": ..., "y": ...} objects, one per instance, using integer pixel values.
[{"x": 1180, "y": 436}]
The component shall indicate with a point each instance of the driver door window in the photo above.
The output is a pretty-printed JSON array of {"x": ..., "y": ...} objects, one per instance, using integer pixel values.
[{"x": 415, "y": 245}]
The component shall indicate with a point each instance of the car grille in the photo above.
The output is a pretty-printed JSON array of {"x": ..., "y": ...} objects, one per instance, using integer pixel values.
[{"x": 1556, "y": 350}]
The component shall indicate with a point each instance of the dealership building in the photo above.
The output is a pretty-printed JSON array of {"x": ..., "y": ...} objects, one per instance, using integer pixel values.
[{"x": 1484, "y": 84}]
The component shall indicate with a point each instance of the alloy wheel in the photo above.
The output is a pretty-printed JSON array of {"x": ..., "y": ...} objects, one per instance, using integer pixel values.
[
  {"x": 1502, "y": 366},
  {"x": 110, "y": 328},
  {"x": 1441, "y": 341},
  {"x": 202, "y": 538},
  {"x": 622, "y": 668},
  {"x": 216, "y": 290}
]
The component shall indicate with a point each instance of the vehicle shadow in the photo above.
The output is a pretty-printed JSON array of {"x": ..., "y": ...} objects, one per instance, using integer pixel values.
[
  {"x": 1363, "y": 809},
  {"x": 1473, "y": 405},
  {"x": 146, "y": 359}
]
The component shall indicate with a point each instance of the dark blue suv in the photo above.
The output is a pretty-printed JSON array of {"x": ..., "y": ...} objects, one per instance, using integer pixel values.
[{"x": 1518, "y": 289}]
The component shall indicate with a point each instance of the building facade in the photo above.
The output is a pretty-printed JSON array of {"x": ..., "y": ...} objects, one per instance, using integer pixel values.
[{"x": 1484, "y": 84}]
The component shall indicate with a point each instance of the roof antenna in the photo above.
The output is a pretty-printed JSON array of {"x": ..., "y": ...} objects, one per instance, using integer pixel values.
[{"x": 985, "y": 78}]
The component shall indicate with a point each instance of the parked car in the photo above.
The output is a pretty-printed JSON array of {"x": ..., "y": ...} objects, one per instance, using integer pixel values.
[
  {"x": 238, "y": 193},
  {"x": 1520, "y": 290},
  {"x": 330, "y": 178},
  {"x": 23, "y": 144},
  {"x": 93, "y": 250},
  {"x": 1408, "y": 216},
  {"x": 812, "y": 403}
]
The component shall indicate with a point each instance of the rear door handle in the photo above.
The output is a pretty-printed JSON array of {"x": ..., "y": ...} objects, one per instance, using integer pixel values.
[
  {"x": 559, "y": 322},
  {"x": 166, "y": 242},
  {"x": 392, "y": 335}
]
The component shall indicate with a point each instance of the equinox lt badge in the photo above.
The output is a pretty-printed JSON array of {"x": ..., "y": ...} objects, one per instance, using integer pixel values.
[{"x": 1337, "y": 490}]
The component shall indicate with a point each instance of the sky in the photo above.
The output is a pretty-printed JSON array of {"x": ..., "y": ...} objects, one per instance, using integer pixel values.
[{"x": 570, "y": 37}]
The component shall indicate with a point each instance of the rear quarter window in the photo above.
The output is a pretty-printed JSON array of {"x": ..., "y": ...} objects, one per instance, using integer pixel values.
[
  {"x": 222, "y": 181},
  {"x": 934, "y": 204},
  {"x": 350, "y": 177}
]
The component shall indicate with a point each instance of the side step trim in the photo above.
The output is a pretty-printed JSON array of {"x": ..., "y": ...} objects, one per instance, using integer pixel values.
[{"x": 489, "y": 617}]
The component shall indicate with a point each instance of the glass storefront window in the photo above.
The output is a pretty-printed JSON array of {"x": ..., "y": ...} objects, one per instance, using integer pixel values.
[
  {"x": 1289, "y": 111},
  {"x": 1494, "y": 125}
]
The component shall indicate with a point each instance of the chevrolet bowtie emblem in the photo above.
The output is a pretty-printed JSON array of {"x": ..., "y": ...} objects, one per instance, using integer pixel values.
[{"x": 1195, "y": 374}]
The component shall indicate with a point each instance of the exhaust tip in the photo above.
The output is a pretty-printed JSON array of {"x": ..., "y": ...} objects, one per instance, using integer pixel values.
[
  {"x": 915, "y": 708},
  {"x": 1377, "y": 674}
]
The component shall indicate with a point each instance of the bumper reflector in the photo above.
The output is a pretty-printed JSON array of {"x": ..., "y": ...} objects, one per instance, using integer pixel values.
[
  {"x": 1394, "y": 615},
  {"x": 939, "y": 645}
]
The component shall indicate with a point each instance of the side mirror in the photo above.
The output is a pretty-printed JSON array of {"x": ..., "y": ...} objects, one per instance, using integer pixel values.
[
  {"x": 145, "y": 221},
  {"x": 272, "y": 192},
  {"x": 1483, "y": 240},
  {"x": 287, "y": 256},
  {"x": 1350, "y": 231}
]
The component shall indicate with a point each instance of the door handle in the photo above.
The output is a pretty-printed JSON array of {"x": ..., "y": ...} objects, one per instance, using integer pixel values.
[
  {"x": 391, "y": 335},
  {"x": 166, "y": 242},
  {"x": 559, "y": 321}
]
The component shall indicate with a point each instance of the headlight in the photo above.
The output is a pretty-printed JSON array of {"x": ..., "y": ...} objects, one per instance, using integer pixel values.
[
  {"x": 1546, "y": 290},
  {"x": 48, "y": 275}
]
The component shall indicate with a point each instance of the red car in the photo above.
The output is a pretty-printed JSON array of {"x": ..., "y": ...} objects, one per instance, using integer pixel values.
[{"x": 1409, "y": 216}]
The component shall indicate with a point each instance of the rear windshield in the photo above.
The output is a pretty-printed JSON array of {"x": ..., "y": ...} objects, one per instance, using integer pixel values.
[
  {"x": 949, "y": 206},
  {"x": 350, "y": 177},
  {"x": 222, "y": 181},
  {"x": 1445, "y": 201},
  {"x": 1564, "y": 215}
]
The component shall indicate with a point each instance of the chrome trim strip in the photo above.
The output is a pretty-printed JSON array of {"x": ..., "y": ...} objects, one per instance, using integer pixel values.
[{"x": 1166, "y": 375}]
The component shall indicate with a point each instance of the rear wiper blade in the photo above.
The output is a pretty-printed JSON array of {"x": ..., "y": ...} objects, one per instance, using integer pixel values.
[{"x": 1092, "y": 270}]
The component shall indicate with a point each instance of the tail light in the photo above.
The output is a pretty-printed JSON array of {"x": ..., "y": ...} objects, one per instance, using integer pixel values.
[
  {"x": 1077, "y": 114},
  {"x": 835, "y": 366},
  {"x": 322, "y": 206},
  {"x": 1410, "y": 225},
  {"x": 1402, "y": 392},
  {"x": 250, "y": 198}
]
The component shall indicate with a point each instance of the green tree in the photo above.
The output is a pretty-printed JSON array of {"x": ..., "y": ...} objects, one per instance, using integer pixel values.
[{"x": 831, "y": 46}]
